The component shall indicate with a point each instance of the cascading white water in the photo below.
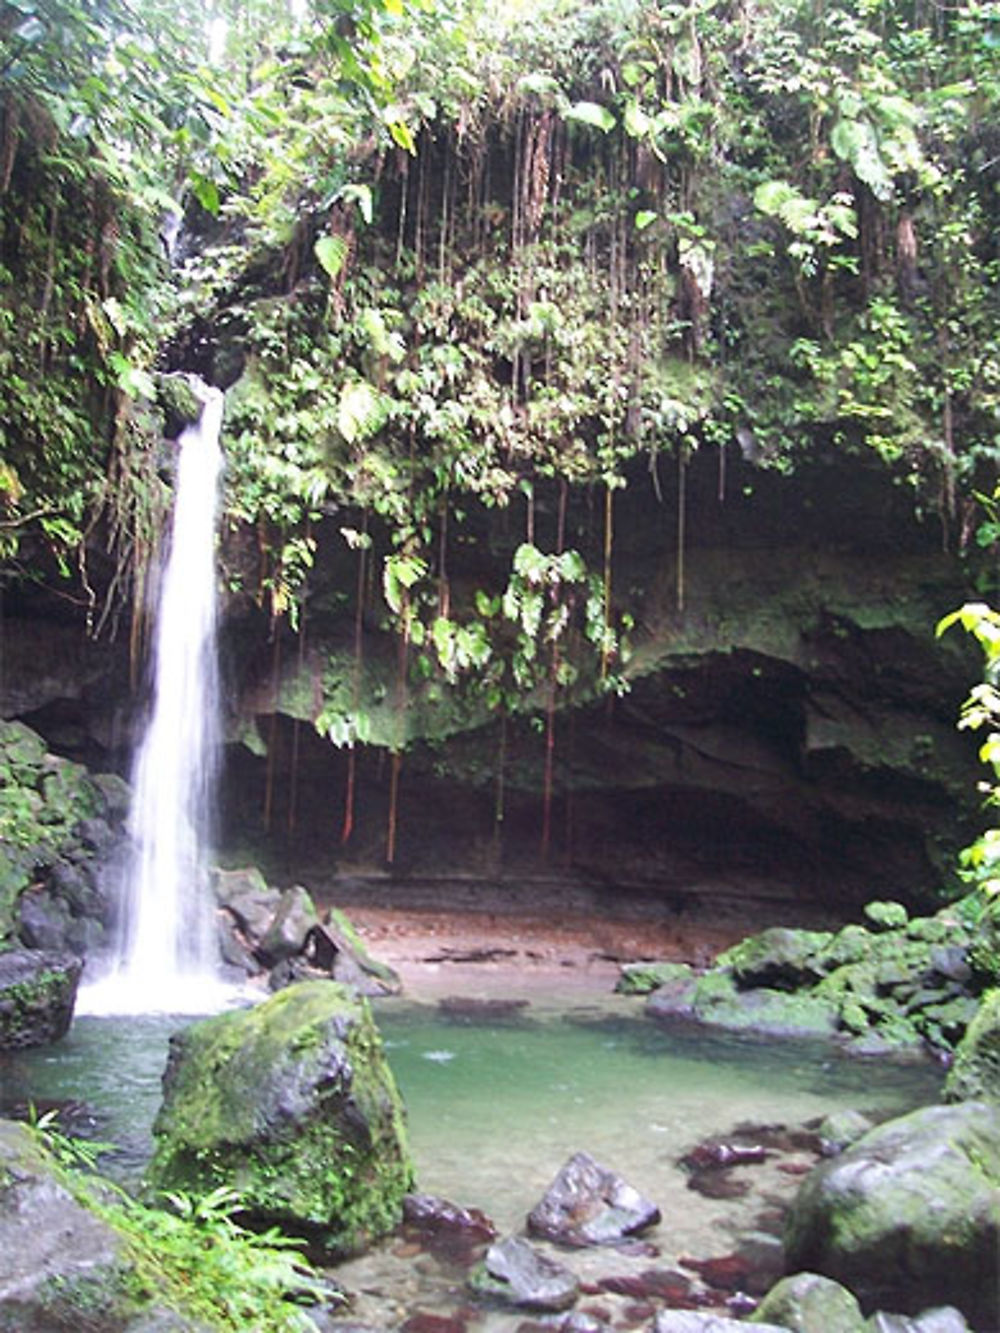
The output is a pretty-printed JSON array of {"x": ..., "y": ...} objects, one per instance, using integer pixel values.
[{"x": 167, "y": 956}]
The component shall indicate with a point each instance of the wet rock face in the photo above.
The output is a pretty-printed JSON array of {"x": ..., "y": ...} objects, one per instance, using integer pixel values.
[
  {"x": 587, "y": 1204},
  {"x": 37, "y": 995},
  {"x": 293, "y": 1105},
  {"x": 909, "y": 1215}
]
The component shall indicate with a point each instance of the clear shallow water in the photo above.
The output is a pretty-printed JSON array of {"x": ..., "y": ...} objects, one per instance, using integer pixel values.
[{"x": 495, "y": 1108}]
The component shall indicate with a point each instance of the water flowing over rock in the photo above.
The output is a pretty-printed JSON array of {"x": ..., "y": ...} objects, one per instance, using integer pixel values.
[
  {"x": 909, "y": 1215},
  {"x": 167, "y": 939},
  {"x": 37, "y": 994},
  {"x": 587, "y": 1204},
  {"x": 293, "y": 1105}
]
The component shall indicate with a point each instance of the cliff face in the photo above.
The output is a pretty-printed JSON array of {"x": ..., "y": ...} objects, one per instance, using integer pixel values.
[
  {"x": 787, "y": 738},
  {"x": 786, "y": 743}
]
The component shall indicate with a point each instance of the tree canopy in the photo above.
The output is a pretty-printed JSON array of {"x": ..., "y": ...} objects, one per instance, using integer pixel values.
[{"x": 455, "y": 258}]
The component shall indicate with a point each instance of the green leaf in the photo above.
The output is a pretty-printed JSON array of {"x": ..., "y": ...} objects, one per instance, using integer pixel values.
[
  {"x": 771, "y": 196},
  {"x": 637, "y": 123},
  {"x": 360, "y": 411},
  {"x": 205, "y": 191},
  {"x": 362, "y": 196},
  {"x": 331, "y": 251},
  {"x": 591, "y": 113},
  {"x": 645, "y": 218}
]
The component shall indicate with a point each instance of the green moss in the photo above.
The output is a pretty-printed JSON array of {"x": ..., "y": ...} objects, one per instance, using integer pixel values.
[
  {"x": 883, "y": 916},
  {"x": 975, "y": 1073},
  {"x": 293, "y": 1105},
  {"x": 643, "y": 978}
]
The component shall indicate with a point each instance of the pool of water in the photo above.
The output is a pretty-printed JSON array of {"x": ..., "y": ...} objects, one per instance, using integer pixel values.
[{"x": 497, "y": 1104}]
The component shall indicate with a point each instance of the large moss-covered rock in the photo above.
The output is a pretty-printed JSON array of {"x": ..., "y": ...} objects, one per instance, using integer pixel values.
[
  {"x": 716, "y": 1001},
  {"x": 293, "y": 1105},
  {"x": 37, "y": 995},
  {"x": 976, "y": 1070},
  {"x": 909, "y": 1216},
  {"x": 61, "y": 1267}
]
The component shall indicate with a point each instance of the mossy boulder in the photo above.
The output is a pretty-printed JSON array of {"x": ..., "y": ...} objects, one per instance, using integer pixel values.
[
  {"x": 886, "y": 916},
  {"x": 61, "y": 1267},
  {"x": 810, "y": 1303},
  {"x": 909, "y": 1215},
  {"x": 37, "y": 995},
  {"x": 778, "y": 958},
  {"x": 644, "y": 978},
  {"x": 975, "y": 1073},
  {"x": 715, "y": 1000},
  {"x": 58, "y": 824},
  {"x": 293, "y": 1105}
]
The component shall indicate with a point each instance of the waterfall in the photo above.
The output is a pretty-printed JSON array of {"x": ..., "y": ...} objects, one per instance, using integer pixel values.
[{"x": 167, "y": 956}]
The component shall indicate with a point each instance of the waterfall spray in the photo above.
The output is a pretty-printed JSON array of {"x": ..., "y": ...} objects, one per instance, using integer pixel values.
[{"x": 167, "y": 956}]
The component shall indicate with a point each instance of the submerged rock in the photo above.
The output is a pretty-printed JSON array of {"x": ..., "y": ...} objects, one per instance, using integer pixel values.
[
  {"x": 293, "y": 1105},
  {"x": 37, "y": 995},
  {"x": 909, "y": 1215},
  {"x": 587, "y": 1204},
  {"x": 518, "y": 1274}
]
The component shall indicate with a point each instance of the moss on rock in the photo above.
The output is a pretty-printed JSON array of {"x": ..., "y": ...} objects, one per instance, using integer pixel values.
[
  {"x": 293, "y": 1105},
  {"x": 976, "y": 1070},
  {"x": 644, "y": 978}
]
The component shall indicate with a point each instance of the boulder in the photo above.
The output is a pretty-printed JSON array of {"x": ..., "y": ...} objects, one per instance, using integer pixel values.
[
  {"x": 909, "y": 1215},
  {"x": 778, "y": 958},
  {"x": 431, "y": 1213},
  {"x": 886, "y": 915},
  {"x": 37, "y": 995},
  {"x": 57, "y": 1259},
  {"x": 294, "y": 917},
  {"x": 248, "y": 898},
  {"x": 293, "y": 1105},
  {"x": 975, "y": 1073},
  {"x": 716, "y": 1001},
  {"x": 587, "y": 1204},
  {"x": 337, "y": 948},
  {"x": 840, "y": 1129},
  {"x": 697, "y": 1321},
  {"x": 810, "y": 1303},
  {"x": 515, "y": 1272},
  {"x": 944, "y": 1319},
  {"x": 643, "y": 978}
]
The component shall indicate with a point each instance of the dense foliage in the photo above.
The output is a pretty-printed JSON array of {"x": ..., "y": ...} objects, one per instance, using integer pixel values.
[{"x": 463, "y": 262}]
